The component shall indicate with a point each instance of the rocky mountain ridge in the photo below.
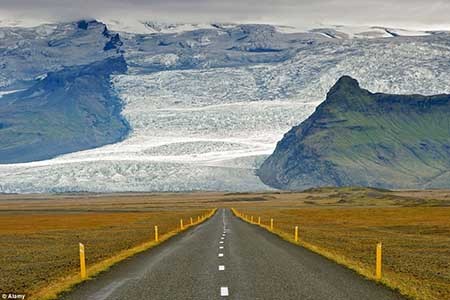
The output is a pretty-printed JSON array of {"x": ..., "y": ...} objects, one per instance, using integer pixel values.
[{"x": 359, "y": 138}]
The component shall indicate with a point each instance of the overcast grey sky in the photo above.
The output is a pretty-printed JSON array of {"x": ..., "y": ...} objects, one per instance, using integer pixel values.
[{"x": 403, "y": 13}]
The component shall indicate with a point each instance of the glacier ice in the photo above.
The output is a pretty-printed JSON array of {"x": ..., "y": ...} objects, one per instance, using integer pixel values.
[{"x": 207, "y": 104}]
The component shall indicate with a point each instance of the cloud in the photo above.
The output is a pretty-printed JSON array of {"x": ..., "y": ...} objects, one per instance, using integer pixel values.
[{"x": 404, "y": 13}]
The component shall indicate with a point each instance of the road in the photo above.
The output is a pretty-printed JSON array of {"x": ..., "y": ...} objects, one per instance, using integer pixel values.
[{"x": 226, "y": 258}]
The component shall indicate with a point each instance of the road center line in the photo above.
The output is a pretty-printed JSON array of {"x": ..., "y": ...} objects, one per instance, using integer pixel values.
[
  {"x": 224, "y": 291},
  {"x": 220, "y": 247},
  {"x": 221, "y": 242},
  {"x": 221, "y": 268},
  {"x": 220, "y": 255}
]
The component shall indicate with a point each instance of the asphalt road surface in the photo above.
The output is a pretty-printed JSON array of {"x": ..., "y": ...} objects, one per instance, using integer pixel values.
[{"x": 226, "y": 258}]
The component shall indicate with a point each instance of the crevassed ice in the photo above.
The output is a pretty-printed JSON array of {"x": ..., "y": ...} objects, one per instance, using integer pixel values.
[
  {"x": 211, "y": 137},
  {"x": 210, "y": 129}
]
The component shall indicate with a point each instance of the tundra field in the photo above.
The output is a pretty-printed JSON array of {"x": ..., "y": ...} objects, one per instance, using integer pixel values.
[
  {"x": 39, "y": 234},
  {"x": 39, "y": 248}
]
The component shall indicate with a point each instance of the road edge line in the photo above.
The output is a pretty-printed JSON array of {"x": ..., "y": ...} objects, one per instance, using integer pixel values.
[
  {"x": 339, "y": 259},
  {"x": 67, "y": 283}
]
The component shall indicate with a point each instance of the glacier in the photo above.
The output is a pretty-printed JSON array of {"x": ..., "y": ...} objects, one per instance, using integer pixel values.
[{"x": 208, "y": 103}]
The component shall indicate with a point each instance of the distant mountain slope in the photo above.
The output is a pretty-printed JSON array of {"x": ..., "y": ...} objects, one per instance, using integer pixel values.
[
  {"x": 30, "y": 53},
  {"x": 206, "y": 104},
  {"x": 359, "y": 138},
  {"x": 69, "y": 110}
]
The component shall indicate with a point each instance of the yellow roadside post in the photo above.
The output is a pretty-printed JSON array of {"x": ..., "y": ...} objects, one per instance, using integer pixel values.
[
  {"x": 181, "y": 224},
  {"x": 296, "y": 234},
  {"x": 198, "y": 219},
  {"x": 378, "y": 263},
  {"x": 156, "y": 234},
  {"x": 251, "y": 219},
  {"x": 82, "y": 262},
  {"x": 259, "y": 220},
  {"x": 192, "y": 221},
  {"x": 271, "y": 224}
]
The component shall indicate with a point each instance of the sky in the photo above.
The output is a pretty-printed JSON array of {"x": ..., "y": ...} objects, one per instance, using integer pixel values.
[{"x": 416, "y": 14}]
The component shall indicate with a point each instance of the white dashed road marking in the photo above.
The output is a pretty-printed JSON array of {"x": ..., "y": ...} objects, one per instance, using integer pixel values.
[{"x": 224, "y": 291}]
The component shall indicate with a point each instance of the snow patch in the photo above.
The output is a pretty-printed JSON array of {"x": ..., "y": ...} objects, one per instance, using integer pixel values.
[{"x": 2, "y": 93}]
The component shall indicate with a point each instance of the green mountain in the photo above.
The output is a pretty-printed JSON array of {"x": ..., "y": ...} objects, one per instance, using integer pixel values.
[{"x": 358, "y": 138}]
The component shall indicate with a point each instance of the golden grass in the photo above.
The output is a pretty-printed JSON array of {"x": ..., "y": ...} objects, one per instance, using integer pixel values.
[
  {"x": 39, "y": 251},
  {"x": 139, "y": 202},
  {"x": 416, "y": 242},
  {"x": 39, "y": 234}
]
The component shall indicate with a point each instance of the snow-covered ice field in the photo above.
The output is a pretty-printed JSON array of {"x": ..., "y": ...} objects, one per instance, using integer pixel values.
[
  {"x": 209, "y": 128},
  {"x": 179, "y": 142}
]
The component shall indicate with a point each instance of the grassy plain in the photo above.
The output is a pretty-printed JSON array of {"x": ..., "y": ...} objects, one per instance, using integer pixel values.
[
  {"x": 39, "y": 248},
  {"x": 415, "y": 237},
  {"x": 39, "y": 234}
]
